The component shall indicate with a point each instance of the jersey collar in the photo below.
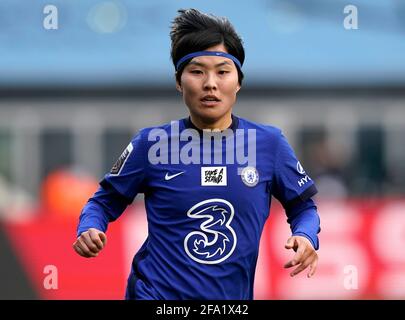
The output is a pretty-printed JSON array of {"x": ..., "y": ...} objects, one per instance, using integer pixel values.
[{"x": 188, "y": 124}]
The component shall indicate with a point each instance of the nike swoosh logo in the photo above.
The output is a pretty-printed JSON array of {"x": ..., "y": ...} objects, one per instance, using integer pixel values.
[{"x": 169, "y": 177}]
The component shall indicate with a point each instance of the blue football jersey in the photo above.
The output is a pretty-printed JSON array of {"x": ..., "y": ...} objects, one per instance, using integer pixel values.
[{"x": 206, "y": 206}]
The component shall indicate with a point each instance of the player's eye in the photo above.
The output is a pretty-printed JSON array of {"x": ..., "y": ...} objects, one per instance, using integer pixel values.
[
  {"x": 223, "y": 72},
  {"x": 196, "y": 71}
]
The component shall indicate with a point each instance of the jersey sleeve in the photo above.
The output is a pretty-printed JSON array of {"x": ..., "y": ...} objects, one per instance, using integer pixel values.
[
  {"x": 291, "y": 184},
  {"x": 127, "y": 175},
  {"x": 117, "y": 189},
  {"x": 104, "y": 206},
  {"x": 304, "y": 221}
]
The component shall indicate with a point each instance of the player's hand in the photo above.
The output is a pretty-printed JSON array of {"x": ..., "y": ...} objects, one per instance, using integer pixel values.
[
  {"x": 305, "y": 255},
  {"x": 90, "y": 243}
]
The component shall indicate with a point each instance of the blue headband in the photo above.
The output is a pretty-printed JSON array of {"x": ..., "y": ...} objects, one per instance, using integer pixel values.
[{"x": 208, "y": 53}]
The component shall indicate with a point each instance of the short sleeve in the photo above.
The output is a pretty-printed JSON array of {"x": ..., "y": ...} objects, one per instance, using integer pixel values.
[
  {"x": 291, "y": 184},
  {"x": 127, "y": 176}
]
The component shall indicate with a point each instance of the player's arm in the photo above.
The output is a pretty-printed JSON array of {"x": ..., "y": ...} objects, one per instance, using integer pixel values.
[
  {"x": 117, "y": 190},
  {"x": 105, "y": 206},
  {"x": 294, "y": 189}
]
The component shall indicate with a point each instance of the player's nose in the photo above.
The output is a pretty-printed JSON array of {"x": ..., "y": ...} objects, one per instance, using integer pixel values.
[{"x": 210, "y": 82}]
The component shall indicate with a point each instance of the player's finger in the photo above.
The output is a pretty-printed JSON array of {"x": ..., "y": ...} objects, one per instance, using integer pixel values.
[
  {"x": 290, "y": 264},
  {"x": 294, "y": 262},
  {"x": 299, "y": 255},
  {"x": 301, "y": 267},
  {"x": 88, "y": 253},
  {"x": 83, "y": 254},
  {"x": 290, "y": 243},
  {"x": 79, "y": 251},
  {"x": 312, "y": 267},
  {"x": 94, "y": 235},
  {"x": 83, "y": 248},
  {"x": 103, "y": 237},
  {"x": 85, "y": 236}
]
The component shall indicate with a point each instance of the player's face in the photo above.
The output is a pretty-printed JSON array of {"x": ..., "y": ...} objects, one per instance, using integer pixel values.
[{"x": 209, "y": 85}]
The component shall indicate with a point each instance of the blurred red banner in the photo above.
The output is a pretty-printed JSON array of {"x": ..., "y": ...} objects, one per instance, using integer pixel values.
[{"x": 361, "y": 254}]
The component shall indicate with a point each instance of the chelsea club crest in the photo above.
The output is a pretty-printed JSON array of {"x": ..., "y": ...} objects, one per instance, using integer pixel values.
[{"x": 250, "y": 176}]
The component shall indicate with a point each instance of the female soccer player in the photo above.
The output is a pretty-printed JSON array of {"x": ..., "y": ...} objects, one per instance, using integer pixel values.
[{"x": 207, "y": 179}]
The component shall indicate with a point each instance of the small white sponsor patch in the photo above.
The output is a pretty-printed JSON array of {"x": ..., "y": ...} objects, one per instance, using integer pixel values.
[
  {"x": 213, "y": 176},
  {"x": 119, "y": 164},
  {"x": 303, "y": 181},
  {"x": 300, "y": 169},
  {"x": 250, "y": 176}
]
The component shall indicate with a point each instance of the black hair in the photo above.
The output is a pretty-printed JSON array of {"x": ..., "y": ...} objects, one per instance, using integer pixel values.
[{"x": 193, "y": 31}]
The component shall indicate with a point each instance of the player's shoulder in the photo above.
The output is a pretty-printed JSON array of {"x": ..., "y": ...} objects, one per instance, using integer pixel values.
[
  {"x": 266, "y": 130},
  {"x": 148, "y": 134},
  {"x": 147, "y": 130}
]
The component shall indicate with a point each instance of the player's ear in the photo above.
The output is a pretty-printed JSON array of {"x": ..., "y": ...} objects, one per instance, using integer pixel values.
[
  {"x": 178, "y": 84},
  {"x": 178, "y": 87},
  {"x": 238, "y": 88}
]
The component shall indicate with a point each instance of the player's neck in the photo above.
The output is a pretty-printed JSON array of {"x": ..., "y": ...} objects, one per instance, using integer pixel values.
[{"x": 221, "y": 124}]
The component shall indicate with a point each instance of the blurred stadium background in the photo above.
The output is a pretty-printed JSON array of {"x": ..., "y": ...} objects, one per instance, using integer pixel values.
[{"x": 71, "y": 98}]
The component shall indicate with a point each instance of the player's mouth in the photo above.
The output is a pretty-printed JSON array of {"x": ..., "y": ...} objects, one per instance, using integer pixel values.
[{"x": 210, "y": 100}]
